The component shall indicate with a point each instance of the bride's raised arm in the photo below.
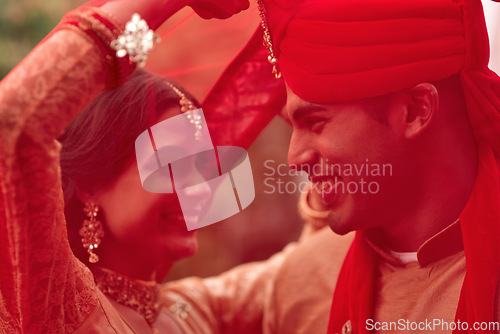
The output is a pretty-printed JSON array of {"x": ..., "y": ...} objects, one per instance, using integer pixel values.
[{"x": 43, "y": 287}]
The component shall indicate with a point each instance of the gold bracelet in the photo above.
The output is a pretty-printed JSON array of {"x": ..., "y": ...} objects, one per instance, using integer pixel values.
[{"x": 100, "y": 28}]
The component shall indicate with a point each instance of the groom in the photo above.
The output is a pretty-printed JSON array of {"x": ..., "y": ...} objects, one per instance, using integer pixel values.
[{"x": 405, "y": 84}]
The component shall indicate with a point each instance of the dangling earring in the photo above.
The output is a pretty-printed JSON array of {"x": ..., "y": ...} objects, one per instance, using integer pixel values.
[{"x": 91, "y": 231}]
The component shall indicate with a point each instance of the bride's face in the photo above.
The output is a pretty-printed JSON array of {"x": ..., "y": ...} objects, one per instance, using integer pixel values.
[
  {"x": 149, "y": 225},
  {"x": 142, "y": 227}
]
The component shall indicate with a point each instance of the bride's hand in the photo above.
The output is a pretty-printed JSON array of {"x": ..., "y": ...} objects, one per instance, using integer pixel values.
[
  {"x": 155, "y": 12},
  {"x": 219, "y": 9}
]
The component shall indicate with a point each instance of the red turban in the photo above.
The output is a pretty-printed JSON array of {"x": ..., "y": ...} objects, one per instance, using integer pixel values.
[{"x": 337, "y": 51}]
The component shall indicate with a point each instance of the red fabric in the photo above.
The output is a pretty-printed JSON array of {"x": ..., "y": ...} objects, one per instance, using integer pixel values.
[
  {"x": 356, "y": 283},
  {"x": 245, "y": 98},
  {"x": 337, "y": 51},
  {"x": 481, "y": 85},
  {"x": 480, "y": 221}
]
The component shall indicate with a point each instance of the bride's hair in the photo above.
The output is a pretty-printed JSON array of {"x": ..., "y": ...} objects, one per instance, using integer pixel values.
[{"x": 100, "y": 142}]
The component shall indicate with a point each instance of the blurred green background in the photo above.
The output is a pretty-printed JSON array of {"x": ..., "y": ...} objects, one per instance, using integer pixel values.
[{"x": 24, "y": 23}]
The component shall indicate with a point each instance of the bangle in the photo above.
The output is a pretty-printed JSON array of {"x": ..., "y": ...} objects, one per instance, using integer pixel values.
[
  {"x": 317, "y": 219},
  {"x": 100, "y": 28},
  {"x": 136, "y": 41}
]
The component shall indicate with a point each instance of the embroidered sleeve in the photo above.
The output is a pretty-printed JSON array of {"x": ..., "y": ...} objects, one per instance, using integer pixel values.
[
  {"x": 232, "y": 302},
  {"x": 43, "y": 287}
]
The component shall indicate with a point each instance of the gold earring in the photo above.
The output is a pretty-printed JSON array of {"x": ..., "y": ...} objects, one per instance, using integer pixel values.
[{"x": 91, "y": 231}]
